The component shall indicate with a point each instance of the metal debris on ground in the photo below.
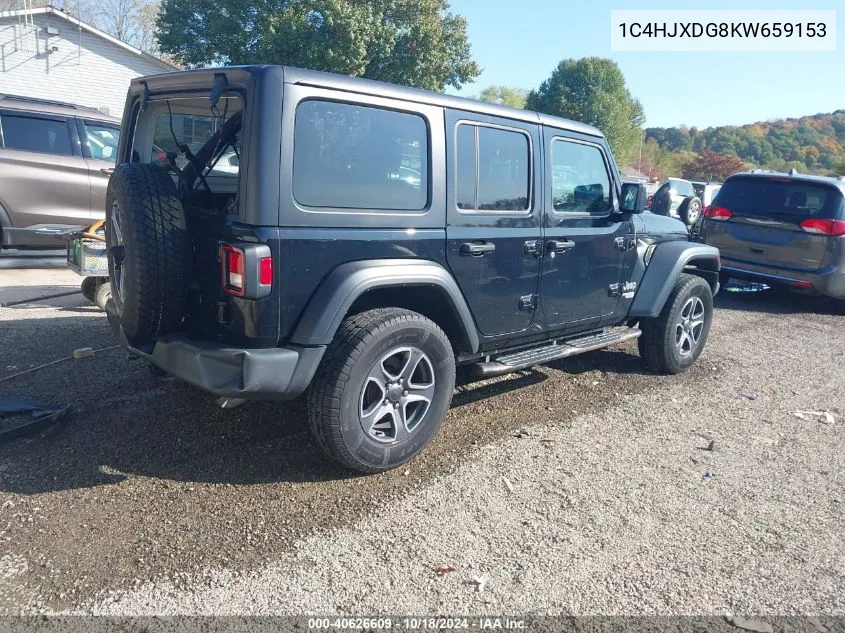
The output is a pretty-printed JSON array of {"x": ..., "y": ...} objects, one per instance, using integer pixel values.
[
  {"x": 480, "y": 583},
  {"x": 825, "y": 417},
  {"x": 442, "y": 570},
  {"x": 750, "y": 624},
  {"x": 42, "y": 416},
  {"x": 709, "y": 474},
  {"x": 508, "y": 484}
]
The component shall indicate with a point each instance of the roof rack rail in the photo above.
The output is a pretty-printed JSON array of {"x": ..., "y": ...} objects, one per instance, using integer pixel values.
[{"x": 50, "y": 102}]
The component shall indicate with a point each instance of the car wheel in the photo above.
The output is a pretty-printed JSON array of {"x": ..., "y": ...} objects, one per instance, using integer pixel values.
[
  {"x": 149, "y": 250},
  {"x": 103, "y": 295},
  {"x": 690, "y": 210},
  {"x": 382, "y": 390},
  {"x": 673, "y": 341},
  {"x": 89, "y": 288}
]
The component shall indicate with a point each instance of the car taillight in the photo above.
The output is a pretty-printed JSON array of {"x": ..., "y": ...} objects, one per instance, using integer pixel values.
[
  {"x": 717, "y": 213},
  {"x": 233, "y": 270},
  {"x": 265, "y": 271},
  {"x": 834, "y": 228},
  {"x": 246, "y": 270}
]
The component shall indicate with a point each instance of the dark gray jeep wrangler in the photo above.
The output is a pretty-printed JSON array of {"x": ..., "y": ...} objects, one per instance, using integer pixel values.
[{"x": 274, "y": 232}]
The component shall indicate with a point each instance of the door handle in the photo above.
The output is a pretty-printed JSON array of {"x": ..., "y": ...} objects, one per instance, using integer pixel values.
[
  {"x": 108, "y": 171},
  {"x": 559, "y": 246},
  {"x": 532, "y": 247},
  {"x": 477, "y": 249}
]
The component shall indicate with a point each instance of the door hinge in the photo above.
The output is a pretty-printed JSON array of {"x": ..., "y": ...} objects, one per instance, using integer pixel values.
[{"x": 528, "y": 302}]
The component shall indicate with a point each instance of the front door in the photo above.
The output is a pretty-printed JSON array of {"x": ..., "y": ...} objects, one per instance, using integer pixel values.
[
  {"x": 99, "y": 146},
  {"x": 493, "y": 219},
  {"x": 585, "y": 242}
]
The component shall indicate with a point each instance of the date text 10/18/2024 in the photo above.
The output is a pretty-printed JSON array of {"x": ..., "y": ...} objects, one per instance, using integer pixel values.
[{"x": 419, "y": 624}]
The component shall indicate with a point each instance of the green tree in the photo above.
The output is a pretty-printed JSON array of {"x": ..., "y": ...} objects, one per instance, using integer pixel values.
[
  {"x": 592, "y": 90},
  {"x": 411, "y": 42},
  {"x": 504, "y": 95}
]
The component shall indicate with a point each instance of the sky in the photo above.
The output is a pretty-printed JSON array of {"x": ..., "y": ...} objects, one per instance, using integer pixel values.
[{"x": 519, "y": 44}]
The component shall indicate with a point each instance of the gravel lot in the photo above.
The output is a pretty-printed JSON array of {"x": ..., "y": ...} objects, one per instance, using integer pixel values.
[{"x": 578, "y": 488}]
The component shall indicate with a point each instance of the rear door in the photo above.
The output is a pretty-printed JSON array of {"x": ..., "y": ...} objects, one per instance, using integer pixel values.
[
  {"x": 99, "y": 147},
  {"x": 44, "y": 177},
  {"x": 764, "y": 221},
  {"x": 493, "y": 234}
]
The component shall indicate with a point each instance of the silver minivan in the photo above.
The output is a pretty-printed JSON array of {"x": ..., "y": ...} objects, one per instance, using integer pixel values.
[
  {"x": 780, "y": 229},
  {"x": 55, "y": 161}
]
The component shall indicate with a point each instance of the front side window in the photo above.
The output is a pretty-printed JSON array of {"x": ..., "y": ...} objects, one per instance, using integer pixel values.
[
  {"x": 580, "y": 183},
  {"x": 493, "y": 169},
  {"x": 34, "y": 134},
  {"x": 348, "y": 156},
  {"x": 102, "y": 140}
]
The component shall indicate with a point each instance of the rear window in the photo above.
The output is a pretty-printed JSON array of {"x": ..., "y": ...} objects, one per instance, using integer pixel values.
[
  {"x": 682, "y": 187},
  {"x": 349, "y": 156},
  {"x": 763, "y": 196}
]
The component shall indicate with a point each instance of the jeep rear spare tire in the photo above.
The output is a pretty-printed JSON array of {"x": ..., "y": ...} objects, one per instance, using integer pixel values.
[
  {"x": 149, "y": 250},
  {"x": 382, "y": 390}
]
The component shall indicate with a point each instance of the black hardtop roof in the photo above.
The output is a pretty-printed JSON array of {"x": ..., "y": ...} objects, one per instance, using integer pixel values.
[
  {"x": 368, "y": 86},
  {"x": 839, "y": 183}
]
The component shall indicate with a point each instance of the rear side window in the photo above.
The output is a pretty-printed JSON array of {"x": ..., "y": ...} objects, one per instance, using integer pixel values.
[
  {"x": 493, "y": 169},
  {"x": 359, "y": 157},
  {"x": 580, "y": 183},
  {"x": 34, "y": 134},
  {"x": 762, "y": 196}
]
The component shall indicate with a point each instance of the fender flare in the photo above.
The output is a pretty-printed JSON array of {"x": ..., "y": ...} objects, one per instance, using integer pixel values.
[
  {"x": 345, "y": 284},
  {"x": 667, "y": 262}
]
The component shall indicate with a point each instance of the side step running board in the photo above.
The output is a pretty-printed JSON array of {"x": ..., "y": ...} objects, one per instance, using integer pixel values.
[{"x": 524, "y": 359}]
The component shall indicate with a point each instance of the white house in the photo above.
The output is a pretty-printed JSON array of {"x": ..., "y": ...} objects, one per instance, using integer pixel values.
[{"x": 48, "y": 54}]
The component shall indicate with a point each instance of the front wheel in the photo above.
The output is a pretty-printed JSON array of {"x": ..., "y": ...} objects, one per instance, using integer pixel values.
[
  {"x": 383, "y": 389},
  {"x": 673, "y": 341}
]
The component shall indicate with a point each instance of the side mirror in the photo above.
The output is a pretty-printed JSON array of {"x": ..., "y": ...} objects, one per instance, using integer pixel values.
[{"x": 634, "y": 198}]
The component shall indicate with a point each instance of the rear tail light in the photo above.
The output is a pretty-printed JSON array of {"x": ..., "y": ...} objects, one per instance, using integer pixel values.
[
  {"x": 834, "y": 228},
  {"x": 717, "y": 213},
  {"x": 246, "y": 270}
]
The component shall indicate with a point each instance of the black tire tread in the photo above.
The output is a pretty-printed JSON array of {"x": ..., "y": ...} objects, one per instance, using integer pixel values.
[
  {"x": 159, "y": 239},
  {"x": 354, "y": 335},
  {"x": 657, "y": 333}
]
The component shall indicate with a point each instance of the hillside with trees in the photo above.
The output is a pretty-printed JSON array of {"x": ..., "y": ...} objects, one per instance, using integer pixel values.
[{"x": 811, "y": 144}]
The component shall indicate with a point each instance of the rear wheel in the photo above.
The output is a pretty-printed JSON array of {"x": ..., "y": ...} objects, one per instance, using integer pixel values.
[
  {"x": 102, "y": 295},
  {"x": 673, "y": 341},
  {"x": 89, "y": 288},
  {"x": 149, "y": 250},
  {"x": 383, "y": 389}
]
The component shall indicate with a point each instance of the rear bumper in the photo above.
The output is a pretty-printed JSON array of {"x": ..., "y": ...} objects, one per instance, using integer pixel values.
[
  {"x": 829, "y": 283},
  {"x": 252, "y": 374}
]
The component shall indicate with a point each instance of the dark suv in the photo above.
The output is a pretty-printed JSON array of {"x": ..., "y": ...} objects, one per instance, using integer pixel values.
[
  {"x": 55, "y": 162},
  {"x": 781, "y": 229},
  {"x": 366, "y": 238}
]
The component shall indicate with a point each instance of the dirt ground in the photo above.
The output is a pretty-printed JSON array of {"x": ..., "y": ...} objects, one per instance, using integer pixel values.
[{"x": 582, "y": 487}]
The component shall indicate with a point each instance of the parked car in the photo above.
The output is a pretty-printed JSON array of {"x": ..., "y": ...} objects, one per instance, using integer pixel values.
[
  {"x": 317, "y": 269},
  {"x": 780, "y": 229},
  {"x": 676, "y": 198},
  {"x": 706, "y": 191},
  {"x": 55, "y": 162}
]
